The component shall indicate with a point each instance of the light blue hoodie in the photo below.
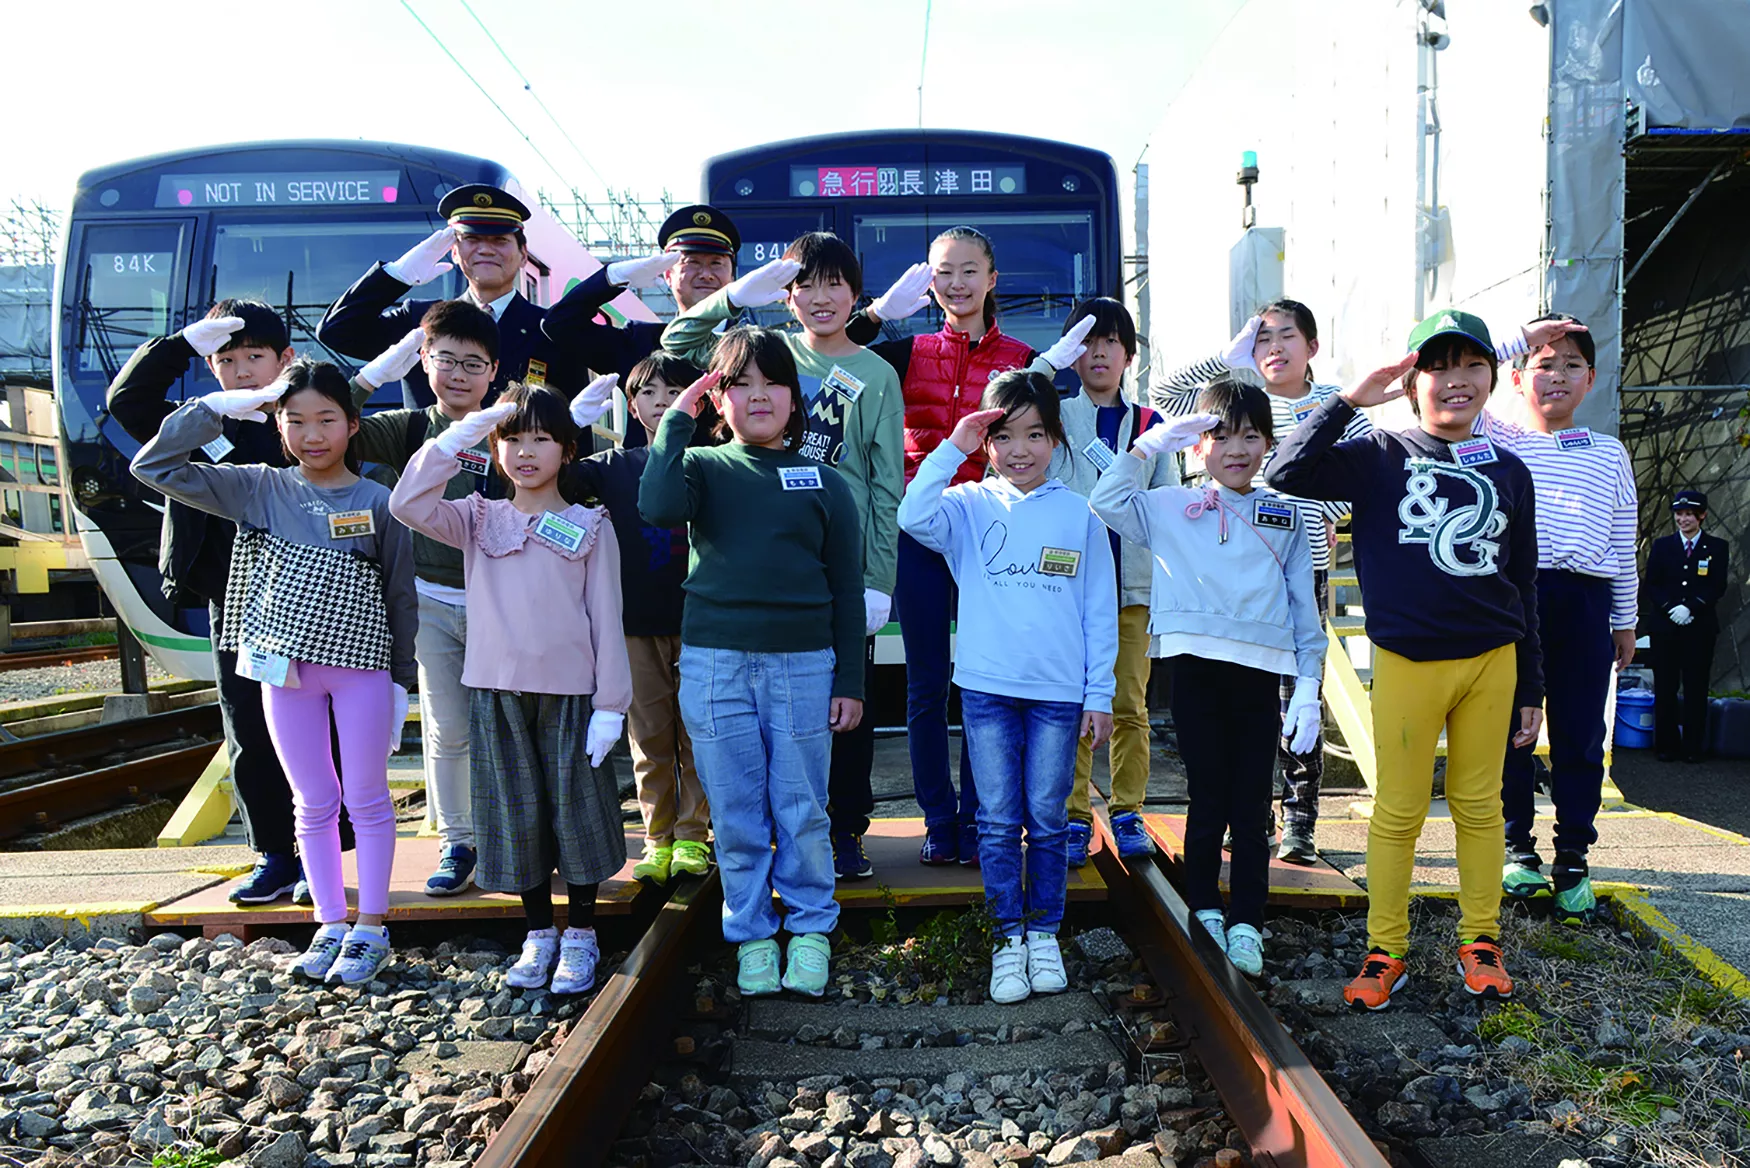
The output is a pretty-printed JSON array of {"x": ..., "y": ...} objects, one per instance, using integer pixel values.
[{"x": 1038, "y": 612}]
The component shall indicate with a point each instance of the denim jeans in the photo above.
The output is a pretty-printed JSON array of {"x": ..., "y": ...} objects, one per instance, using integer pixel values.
[
  {"x": 924, "y": 599},
  {"x": 762, "y": 745},
  {"x": 1024, "y": 754},
  {"x": 443, "y": 711}
]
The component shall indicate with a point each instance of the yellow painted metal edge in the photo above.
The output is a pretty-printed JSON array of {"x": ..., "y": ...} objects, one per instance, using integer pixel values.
[
  {"x": 1350, "y": 706},
  {"x": 83, "y": 913},
  {"x": 205, "y": 810},
  {"x": 225, "y": 871},
  {"x": 1645, "y": 919}
]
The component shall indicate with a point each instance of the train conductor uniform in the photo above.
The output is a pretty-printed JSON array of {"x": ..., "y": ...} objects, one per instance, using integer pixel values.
[
  {"x": 370, "y": 316},
  {"x": 1686, "y": 576}
]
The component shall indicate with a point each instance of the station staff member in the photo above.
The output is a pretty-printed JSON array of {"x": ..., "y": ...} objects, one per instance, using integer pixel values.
[
  {"x": 484, "y": 234},
  {"x": 1686, "y": 576}
]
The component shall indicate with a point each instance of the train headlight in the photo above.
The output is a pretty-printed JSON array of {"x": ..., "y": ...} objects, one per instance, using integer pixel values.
[
  {"x": 1071, "y": 183},
  {"x": 87, "y": 485},
  {"x": 744, "y": 188}
]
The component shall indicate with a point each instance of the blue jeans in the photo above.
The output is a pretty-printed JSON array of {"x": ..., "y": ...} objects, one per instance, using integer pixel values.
[
  {"x": 1024, "y": 754},
  {"x": 762, "y": 747},
  {"x": 924, "y": 599}
]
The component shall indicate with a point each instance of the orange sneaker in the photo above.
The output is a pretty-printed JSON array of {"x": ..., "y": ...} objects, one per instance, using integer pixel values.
[
  {"x": 1381, "y": 976},
  {"x": 1484, "y": 975}
]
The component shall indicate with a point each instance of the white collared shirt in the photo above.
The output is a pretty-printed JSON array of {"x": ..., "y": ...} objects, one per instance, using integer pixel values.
[{"x": 496, "y": 307}]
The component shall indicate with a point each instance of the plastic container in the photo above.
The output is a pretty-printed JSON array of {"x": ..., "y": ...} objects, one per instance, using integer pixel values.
[
  {"x": 1728, "y": 727},
  {"x": 1634, "y": 719}
]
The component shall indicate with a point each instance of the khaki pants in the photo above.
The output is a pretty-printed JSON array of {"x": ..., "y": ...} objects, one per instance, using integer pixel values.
[
  {"x": 669, "y": 793},
  {"x": 1129, "y": 757}
]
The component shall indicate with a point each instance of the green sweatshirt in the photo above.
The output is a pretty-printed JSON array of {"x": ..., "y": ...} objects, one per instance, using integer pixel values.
[
  {"x": 864, "y": 438},
  {"x": 385, "y": 438},
  {"x": 773, "y": 562}
]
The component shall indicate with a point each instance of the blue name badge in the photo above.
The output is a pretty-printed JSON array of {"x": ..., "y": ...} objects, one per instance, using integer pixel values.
[
  {"x": 1098, "y": 453},
  {"x": 799, "y": 478},
  {"x": 1273, "y": 513},
  {"x": 1578, "y": 438},
  {"x": 1303, "y": 409},
  {"x": 1473, "y": 452}
]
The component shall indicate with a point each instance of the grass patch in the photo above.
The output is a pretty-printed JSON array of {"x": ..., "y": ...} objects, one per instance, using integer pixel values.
[{"x": 1511, "y": 1019}]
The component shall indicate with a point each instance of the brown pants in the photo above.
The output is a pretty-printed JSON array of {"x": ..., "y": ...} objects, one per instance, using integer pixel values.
[{"x": 669, "y": 793}]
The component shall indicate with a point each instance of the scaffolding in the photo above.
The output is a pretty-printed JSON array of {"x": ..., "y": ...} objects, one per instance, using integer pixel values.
[
  {"x": 621, "y": 224},
  {"x": 29, "y": 231}
]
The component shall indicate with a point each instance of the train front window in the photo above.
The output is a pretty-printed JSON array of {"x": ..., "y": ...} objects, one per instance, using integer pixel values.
[
  {"x": 1044, "y": 263},
  {"x": 302, "y": 267},
  {"x": 123, "y": 293}
]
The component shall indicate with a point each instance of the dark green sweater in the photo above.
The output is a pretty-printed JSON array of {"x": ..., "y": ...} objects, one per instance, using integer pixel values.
[{"x": 769, "y": 570}]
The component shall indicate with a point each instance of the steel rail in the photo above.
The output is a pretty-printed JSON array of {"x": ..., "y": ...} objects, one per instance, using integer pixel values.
[
  {"x": 1270, "y": 1089},
  {"x": 574, "y": 1110},
  {"x": 73, "y": 747},
  {"x": 48, "y": 658},
  {"x": 45, "y": 805}
]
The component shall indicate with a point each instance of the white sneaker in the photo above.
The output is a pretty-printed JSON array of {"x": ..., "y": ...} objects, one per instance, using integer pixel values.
[
  {"x": 362, "y": 954},
  {"x": 324, "y": 950},
  {"x": 1245, "y": 948},
  {"x": 578, "y": 954},
  {"x": 536, "y": 962},
  {"x": 1045, "y": 964},
  {"x": 1211, "y": 919},
  {"x": 1008, "y": 972}
]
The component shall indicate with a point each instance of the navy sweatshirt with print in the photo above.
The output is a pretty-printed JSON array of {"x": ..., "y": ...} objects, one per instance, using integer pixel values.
[{"x": 1447, "y": 554}]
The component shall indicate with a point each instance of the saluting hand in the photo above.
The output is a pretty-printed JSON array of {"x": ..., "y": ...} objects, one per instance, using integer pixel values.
[
  {"x": 1382, "y": 385},
  {"x": 1173, "y": 435},
  {"x": 207, "y": 337},
  {"x": 1541, "y": 332},
  {"x": 588, "y": 407},
  {"x": 424, "y": 261},
  {"x": 395, "y": 362},
  {"x": 908, "y": 294},
  {"x": 1530, "y": 722},
  {"x": 467, "y": 433},
  {"x": 637, "y": 273},
  {"x": 1069, "y": 348},
  {"x": 1242, "y": 350},
  {"x": 692, "y": 395},
  {"x": 247, "y": 405},
  {"x": 970, "y": 430},
  {"x": 766, "y": 284}
]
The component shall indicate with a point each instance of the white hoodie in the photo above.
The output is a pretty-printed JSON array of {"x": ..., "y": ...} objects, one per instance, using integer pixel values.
[
  {"x": 1246, "y": 598},
  {"x": 1038, "y": 614}
]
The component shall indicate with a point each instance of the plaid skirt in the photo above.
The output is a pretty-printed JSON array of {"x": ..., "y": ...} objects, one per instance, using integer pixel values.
[{"x": 539, "y": 806}]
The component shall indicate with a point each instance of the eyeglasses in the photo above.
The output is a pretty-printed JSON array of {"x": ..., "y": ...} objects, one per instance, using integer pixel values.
[
  {"x": 1567, "y": 368},
  {"x": 443, "y": 363}
]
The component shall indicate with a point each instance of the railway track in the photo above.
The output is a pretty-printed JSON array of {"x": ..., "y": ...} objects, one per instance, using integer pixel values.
[
  {"x": 1269, "y": 1088},
  {"x": 48, "y": 658},
  {"x": 52, "y": 778}
]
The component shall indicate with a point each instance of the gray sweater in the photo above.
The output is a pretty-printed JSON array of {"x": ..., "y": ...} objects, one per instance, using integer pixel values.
[{"x": 280, "y": 501}]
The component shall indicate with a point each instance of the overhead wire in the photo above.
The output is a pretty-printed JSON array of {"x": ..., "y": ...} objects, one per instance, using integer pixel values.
[
  {"x": 521, "y": 133},
  {"x": 530, "y": 89}
]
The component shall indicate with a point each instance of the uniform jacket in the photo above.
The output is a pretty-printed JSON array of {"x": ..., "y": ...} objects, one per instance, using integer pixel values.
[
  {"x": 367, "y": 320},
  {"x": 195, "y": 557},
  {"x": 1697, "y": 580}
]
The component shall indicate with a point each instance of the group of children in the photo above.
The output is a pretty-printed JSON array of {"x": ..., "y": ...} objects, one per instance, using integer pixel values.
[{"x": 719, "y": 587}]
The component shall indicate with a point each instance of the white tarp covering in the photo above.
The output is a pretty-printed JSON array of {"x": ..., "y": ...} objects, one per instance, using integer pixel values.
[{"x": 26, "y": 294}]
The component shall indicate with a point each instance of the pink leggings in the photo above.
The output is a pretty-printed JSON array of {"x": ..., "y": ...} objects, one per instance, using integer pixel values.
[{"x": 297, "y": 721}]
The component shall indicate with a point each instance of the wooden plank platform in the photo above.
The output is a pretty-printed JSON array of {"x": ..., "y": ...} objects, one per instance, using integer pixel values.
[
  {"x": 892, "y": 845},
  {"x": 1291, "y": 885}
]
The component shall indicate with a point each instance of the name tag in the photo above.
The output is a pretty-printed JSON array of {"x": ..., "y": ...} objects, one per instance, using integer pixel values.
[
  {"x": 799, "y": 478},
  {"x": 1099, "y": 454},
  {"x": 558, "y": 531},
  {"x": 1578, "y": 438},
  {"x": 536, "y": 374},
  {"x": 474, "y": 461},
  {"x": 1303, "y": 409},
  {"x": 1273, "y": 513},
  {"x": 1059, "y": 561},
  {"x": 267, "y": 668},
  {"x": 844, "y": 384},
  {"x": 1473, "y": 452},
  {"x": 351, "y": 524},
  {"x": 218, "y": 448},
  {"x": 1701, "y": 567}
]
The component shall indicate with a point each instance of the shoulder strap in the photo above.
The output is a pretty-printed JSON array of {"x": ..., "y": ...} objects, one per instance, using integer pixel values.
[
  {"x": 1141, "y": 418},
  {"x": 418, "y": 422}
]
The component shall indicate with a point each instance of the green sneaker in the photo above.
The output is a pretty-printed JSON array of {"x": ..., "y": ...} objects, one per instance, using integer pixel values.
[
  {"x": 1522, "y": 880},
  {"x": 1575, "y": 904},
  {"x": 806, "y": 972},
  {"x": 757, "y": 967},
  {"x": 654, "y": 867},
  {"x": 691, "y": 858}
]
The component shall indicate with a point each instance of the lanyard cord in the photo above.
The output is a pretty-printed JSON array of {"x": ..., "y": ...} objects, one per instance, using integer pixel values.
[{"x": 1211, "y": 500}]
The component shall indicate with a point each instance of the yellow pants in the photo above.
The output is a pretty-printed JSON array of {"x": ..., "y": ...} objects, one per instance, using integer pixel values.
[
  {"x": 1129, "y": 758},
  {"x": 1473, "y": 699}
]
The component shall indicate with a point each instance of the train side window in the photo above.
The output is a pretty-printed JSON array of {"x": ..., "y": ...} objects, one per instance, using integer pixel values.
[
  {"x": 57, "y": 523},
  {"x": 125, "y": 292},
  {"x": 48, "y": 466}
]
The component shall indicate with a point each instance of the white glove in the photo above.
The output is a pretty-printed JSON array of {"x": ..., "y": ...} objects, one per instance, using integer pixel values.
[
  {"x": 1300, "y": 723},
  {"x": 397, "y": 718},
  {"x": 641, "y": 272},
  {"x": 424, "y": 261},
  {"x": 467, "y": 433},
  {"x": 207, "y": 337},
  {"x": 588, "y": 407},
  {"x": 1174, "y": 435},
  {"x": 909, "y": 293},
  {"x": 876, "y": 608},
  {"x": 604, "y": 731},
  {"x": 1069, "y": 348},
  {"x": 1681, "y": 615},
  {"x": 395, "y": 362},
  {"x": 766, "y": 284},
  {"x": 249, "y": 405},
  {"x": 1240, "y": 349}
]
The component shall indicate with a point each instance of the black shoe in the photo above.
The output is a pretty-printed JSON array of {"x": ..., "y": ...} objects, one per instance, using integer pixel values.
[
  {"x": 273, "y": 877},
  {"x": 1297, "y": 848}
]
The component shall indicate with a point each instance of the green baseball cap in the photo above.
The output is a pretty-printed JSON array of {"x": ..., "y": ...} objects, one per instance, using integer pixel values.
[{"x": 1451, "y": 322}]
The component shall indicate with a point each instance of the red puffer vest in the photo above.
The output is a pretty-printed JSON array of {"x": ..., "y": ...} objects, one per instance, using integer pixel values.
[{"x": 944, "y": 382}]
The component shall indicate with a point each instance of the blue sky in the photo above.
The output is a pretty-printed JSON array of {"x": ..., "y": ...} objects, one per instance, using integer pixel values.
[{"x": 646, "y": 90}]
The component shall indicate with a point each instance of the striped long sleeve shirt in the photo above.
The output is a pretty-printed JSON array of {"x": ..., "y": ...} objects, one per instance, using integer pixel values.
[{"x": 1175, "y": 394}]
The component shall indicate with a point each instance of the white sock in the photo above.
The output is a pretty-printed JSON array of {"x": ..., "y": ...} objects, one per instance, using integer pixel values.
[
  {"x": 543, "y": 934},
  {"x": 371, "y": 930},
  {"x": 334, "y": 929}
]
